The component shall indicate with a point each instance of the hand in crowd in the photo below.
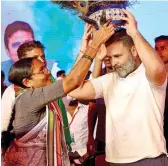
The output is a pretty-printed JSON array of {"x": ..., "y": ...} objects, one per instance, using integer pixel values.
[
  {"x": 101, "y": 53},
  {"x": 86, "y": 39},
  {"x": 91, "y": 146},
  {"x": 131, "y": 24}
]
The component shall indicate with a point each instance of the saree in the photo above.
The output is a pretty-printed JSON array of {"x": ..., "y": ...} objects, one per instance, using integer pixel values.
[
  {"x": 65, "y": 119},
  {"x": 44, "y": 145},
  {"x": 62, "y": 108}
]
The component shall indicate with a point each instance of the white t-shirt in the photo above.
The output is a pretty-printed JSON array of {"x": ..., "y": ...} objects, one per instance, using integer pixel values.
[
  {"x": 79, "y": 129},
  {"x": 134, "y": 116},
  {"x": 7, "y": 102}
]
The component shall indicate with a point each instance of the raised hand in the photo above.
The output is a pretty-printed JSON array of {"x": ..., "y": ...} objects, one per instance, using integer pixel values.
[
  {"x": 101, "y": 53},
  {"x": 131, "y": 24},
  {"x": 86, "y": 39},
  {"x": 103, "y": 34}
]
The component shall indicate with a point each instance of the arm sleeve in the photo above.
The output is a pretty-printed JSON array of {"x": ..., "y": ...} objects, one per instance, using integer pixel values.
[
  {"x": 99, "y": 85},
  {"x": 35, "y": 99},
  {"x": 159, "y": 93},
  {"x": 161, "y": 88}
]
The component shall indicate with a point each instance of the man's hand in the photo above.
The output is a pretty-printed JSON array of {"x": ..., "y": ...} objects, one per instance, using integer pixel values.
[
  {"x": 101, "y": 53},
  {"x": 131, "y": 24},
  {"x": 91, "y": 145}
]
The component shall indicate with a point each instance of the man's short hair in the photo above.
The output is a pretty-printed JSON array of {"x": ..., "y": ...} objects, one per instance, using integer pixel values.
[
  {"x": 14, "y": 27},
  {"x": 60, "y": 72},
  {"x": 162, "y": 37},
  {"x": 28, "y": 46},
  {"x": 120, "y": 35}
]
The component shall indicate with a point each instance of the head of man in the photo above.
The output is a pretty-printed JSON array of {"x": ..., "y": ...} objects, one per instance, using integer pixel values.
[
  {"x": 161, "y": 46},
  {"x": 32, "y": 49},
  {"x": 124, "y": 57},
  {"x": 29, "y": 73},
  {"x": 61, "y": 73},
  {"x": 16, "y": 34}
]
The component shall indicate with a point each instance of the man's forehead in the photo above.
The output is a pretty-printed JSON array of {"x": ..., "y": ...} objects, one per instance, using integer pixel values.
[
  {"x": 115, "y": 48},
  {"x": 20, "y": 36},
  {"x": 162, "y": 42}
]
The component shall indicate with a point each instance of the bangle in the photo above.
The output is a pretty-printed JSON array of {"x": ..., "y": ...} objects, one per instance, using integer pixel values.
[{"x": 87, "y": 57}]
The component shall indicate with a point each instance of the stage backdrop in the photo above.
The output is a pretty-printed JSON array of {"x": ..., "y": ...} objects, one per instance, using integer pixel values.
[{"x": 61, "y": 31}]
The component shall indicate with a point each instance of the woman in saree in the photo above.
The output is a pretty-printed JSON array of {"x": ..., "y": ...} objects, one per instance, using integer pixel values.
[{"x": 36, "y": 121}]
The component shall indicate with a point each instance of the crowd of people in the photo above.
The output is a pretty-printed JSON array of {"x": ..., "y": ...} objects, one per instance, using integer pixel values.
[{"x": 120, "y": 109}]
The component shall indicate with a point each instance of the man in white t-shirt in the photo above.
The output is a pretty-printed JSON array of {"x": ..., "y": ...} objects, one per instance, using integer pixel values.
[{"x": 134, "y": 97}]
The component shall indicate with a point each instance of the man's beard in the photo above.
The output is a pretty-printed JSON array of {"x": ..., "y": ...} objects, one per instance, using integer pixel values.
[{"x": 127, "y": 68}]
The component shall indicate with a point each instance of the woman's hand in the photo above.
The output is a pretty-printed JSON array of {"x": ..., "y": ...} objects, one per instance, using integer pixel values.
[
  {"x": 102, "y": 35},
  {"x": 86, "y": 39}
]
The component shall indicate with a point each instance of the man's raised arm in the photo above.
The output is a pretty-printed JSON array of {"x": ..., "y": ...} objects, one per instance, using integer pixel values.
[{"x": 155, "y": 69}]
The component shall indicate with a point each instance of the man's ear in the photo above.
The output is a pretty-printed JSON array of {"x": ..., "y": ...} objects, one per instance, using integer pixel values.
[
  {"x": 27, "y": 83},
  {"x": 134, "y": 52}
]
